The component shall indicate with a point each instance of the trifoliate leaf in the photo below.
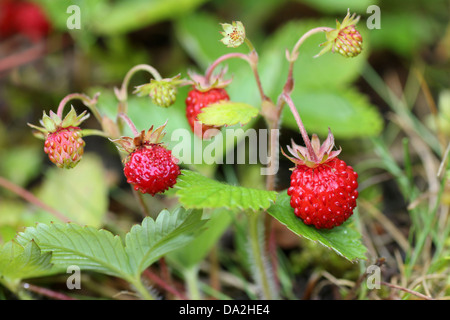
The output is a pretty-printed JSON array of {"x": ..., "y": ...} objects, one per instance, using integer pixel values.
[{"x": 100, "y": 251}]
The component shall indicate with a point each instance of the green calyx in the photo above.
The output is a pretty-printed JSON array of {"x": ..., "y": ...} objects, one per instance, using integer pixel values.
[
  {"x": 52, "y": 122},
  {"x": 162, "y": 92},
  {"x": 143, "y": 139}
]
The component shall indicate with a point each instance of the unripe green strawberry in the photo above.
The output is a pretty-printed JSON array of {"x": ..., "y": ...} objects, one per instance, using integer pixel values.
[
  {"x": 162, "y": 92},
  {"x": 345, "y": 39},
  {"x": 63, "y": 138},
  {"x": 348, "y": 42}
]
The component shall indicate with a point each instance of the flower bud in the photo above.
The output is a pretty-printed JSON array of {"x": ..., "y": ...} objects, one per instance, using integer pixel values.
[{"x": 162, "y": 92}]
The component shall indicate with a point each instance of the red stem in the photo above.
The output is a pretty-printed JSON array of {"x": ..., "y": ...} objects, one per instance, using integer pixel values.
[
  {"x": 158, "y": 281},
  {"x": 303, "y": 132},
  {"x": 129, "y": 123},
  {"x": 47, "y": 292}
]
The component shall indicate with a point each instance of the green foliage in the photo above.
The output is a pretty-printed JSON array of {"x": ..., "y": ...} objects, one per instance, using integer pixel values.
[
  {"x": 81, "y": 194},
  {"x": 24, "y": 261},
  {"x": 227, "y": 114},
  {"x": 100, "y": 251},
  {"x": 191, "y": 255},
  {"x": 106, "y": 18},
  {"x": 344, "y": 240},
  {"x": 197, "y": 191}
]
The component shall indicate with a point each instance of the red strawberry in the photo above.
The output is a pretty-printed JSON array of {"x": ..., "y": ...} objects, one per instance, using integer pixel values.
[
  {"x": 197, "y": 100},
  {"x": 149, "y": 166},
  {"x": 23, "y": 17},
  {"x": 65, "y": 147},
  {"x": 323, "y": 188},
  {"x": 151, "y": 169}
]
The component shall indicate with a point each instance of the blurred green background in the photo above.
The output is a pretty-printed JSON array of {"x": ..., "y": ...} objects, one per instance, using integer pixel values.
[{"x": 180, "y": 35}]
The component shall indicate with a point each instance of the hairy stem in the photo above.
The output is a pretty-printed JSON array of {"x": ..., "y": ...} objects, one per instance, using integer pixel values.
[
  {"x": 262, "y": 270},
  {"x": 122, "y": 95},
  {"x": 303, "y": 132},
  {"x": 89, "y": 102},
  {"x": 129, "y": 123},
  {"x": 251, "y": 58},
  {"x": 141, "y": 289}
]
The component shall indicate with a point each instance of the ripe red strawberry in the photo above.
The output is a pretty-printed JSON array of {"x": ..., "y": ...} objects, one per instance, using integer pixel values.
[
  {"x": 151, "y": 169},
  {"x": 63, "y": 138},
  {"x": 65, "y": 147},
  {"x": 197, "y": 100},
  {"x": 23, "y": 17},
  {"x": 149, "y": 166},
  {"x": 323, "y": 188}
]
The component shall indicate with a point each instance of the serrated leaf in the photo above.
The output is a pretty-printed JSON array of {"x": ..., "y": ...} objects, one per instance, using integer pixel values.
[
  {"x": 19, "y": 262},
  {"x": 100, "y": 251},
  {"x": 227, "y": 114},
  {"x": 344, "y": 240},
  {"x": 87, "y": 247},
  {"x": 152, "y": 239},
  {"x": 197, "y": 191}
]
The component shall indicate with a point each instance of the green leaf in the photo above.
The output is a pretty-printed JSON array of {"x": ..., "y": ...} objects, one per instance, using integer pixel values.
[
  {"x": 100, "y": 251},
  {"x": 346, "y": 111},
  {"x": 80, "y": 193},
  {"x": 344, "y": 240},
  {"x": 126, "y": 16},
  {"x": 19, "y": 262},
  {"x": 197, "y": 250},
  {"x": 227, "y": 114},
  {"x": 340, "y": 7},
  {"x": 197, "y": 191},
  {"x": 87, "y": 247},
  {"x": 152, "y": 239}
]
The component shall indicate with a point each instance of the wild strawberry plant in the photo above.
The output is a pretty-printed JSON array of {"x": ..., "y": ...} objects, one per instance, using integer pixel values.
[{"x": 318, "y": 206}]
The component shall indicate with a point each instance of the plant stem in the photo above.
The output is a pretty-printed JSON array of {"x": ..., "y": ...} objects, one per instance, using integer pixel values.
[
  {"x": 90, "y": 103},
  {"x": 141, "y": 289},
  {"x": 129, "y": 123},
  {"x": 263, "y": 272},
  {"x": 122, "y": 95},
  {"x": 191, "y": 278},
  {"x": 293, "y": 55},
  {"x": 303, "y": 132},
  {"x": 251, "y": 58}
]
